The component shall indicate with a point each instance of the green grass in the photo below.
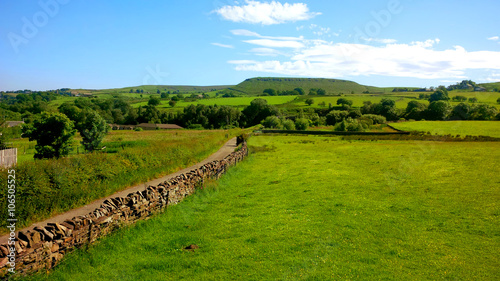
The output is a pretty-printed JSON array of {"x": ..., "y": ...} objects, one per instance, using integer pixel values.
[
  {"x": 462, "y": 128},
  {"x": 236, "y": 101},
  {"x": 317, "y": 208},
  {"x": 401, "y": 101}
]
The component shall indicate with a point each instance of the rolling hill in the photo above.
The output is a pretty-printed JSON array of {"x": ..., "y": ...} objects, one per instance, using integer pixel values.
[{"x": 256, "y": 86}]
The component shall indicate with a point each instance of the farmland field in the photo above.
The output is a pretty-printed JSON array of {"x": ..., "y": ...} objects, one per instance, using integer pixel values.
[
  {"x": 462, "y": 128},
  {"x": 237, "y": 101},
  {"x": 319, "y": 208}
]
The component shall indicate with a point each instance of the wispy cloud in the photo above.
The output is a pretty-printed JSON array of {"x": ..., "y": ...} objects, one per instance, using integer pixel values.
[
  {"x": 244, "y": 32},
  {"x": 266, "y": 13},
  {"x": 417, "y": 60},
  {"x": 494, "y": 38},
  {"x": 276, "y": 43},
  {"x": 379, "y": 40},
  {"x": 223, "y": 45}
]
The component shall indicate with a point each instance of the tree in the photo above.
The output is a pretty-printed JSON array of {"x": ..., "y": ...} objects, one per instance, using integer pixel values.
[
  {"x": 288, "y": 125},
  {"x": 461, "y": 112},
  {"x": 257, "y": 111},
  {"x": 271, "y": 92},
  {"x": 309, "y": 101},
  {"x": 344, "y": 101},
  {"x": 483, "y": 112},
  {"x": 336, "y": 116},
  {"x": 300, "y": 91},
  {"x": 438, "y": 110},
  {"x": 440, "y": 94},
  {"x": 154, "y": 101},
  {"x": 272, "y": 122},
  {"x": 301, "y": 124},
  {"x": 472, "y": 100},
  {"x": 164, "y": 95},
  {"x": 498, "y": 100},
  {"x": 321, "y": 92},
  {"x": 172, "y": 103},
  {"x": 53, "y": 133},
  {"x": 93, "y": 128},
  {"x": 414, "y": 110}
]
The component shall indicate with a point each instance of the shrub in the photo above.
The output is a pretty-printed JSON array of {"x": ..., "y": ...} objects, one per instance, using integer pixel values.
[
  {"x": 271, "y": 122},
  {"x": 288, "y": 125},
  {"x": 376, "y": 119},
  {"x": 336, "y": 116},
  {"x": 351, "y": 125},
  {"x": 138, "y": 129},
  {"x": 302, "y": 124}
]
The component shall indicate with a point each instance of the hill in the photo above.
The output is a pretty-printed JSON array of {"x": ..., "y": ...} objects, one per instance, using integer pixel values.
[
  {"x": 256, "y": 86},
  {"x": 491, "y": 86},
  {"x": 154, "y": 88}
]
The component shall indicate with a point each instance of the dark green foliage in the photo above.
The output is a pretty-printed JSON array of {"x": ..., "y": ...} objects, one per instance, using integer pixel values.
[
  {"x": 271, "y": 122},
  {"x": 53, "y": 133},
  {"x": 461, "y": 112},
  {"x": 288, "y": 125},
  {"x": 270, "y": 92},
  {"x": 93, "y": 128},
  {"x": 473, "y": 100},
  {"x": 211, "y": 117},
  {"x": 483, "y": 112},
  {"x": 172, "y": 103},
  {"x": 154, "y": 101},
  {"x": 375, "y": 119},
  {"x": 415, "y": 110},
  {"x": 300, "y": 91},
  {"x": 257, "y": 111},
  {"x": 344, "y": 101},
  {"x": 459, "y": 98},
  {"x": 336, "y": 116},
  {"x": 301, "y": 124},
  {"x": 438, "y": 110},
  {"x": 351, "y": 125},
  {"x": 440, "y": 94},
  {"x": 498, "y": 100},
  {"x": 309, "y": 101}
]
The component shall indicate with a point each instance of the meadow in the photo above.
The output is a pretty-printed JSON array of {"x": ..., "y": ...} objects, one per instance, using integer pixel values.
[
  {"x": 454, "y": 128},
  {"x": 319, "y": 208},
  {"x": 48, "y": 187}
]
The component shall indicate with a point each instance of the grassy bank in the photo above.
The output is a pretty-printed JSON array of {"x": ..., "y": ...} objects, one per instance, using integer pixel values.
[
  {"x": 48, "y": 187},
  {"x": 317, "y": 208},
  {"x": 462, "y": 128}
]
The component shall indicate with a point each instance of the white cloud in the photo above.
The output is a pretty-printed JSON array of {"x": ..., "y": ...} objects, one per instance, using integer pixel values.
[
  {"x": 267, "y": 52},
  {"x": 276, "y": 43},
  {"x": 266, "y": 13},
  {"x": 379, "y": 40},
  {"x": 494, "y": 38},
  {"x": 223, "y": 45},
  {"x": 416, "y": 60},
  {"x": 244, "y": 32}
]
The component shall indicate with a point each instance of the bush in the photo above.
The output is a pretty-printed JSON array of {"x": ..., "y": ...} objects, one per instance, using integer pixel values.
[
  {"x": 336, "y": 116},
  {"x": 376, "y": 119},
  {"x": 288, "y": 125},
  {"x": 271, "y": 122},
  {"x": 138, "y": 129},
  {"x": 302, "y": 124},
  {"x": 351, "y": 125}
]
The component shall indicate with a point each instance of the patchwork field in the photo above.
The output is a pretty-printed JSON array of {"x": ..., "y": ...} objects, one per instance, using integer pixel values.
[
  {"x": 462, "y": 128},
  {"x": 318, "y": 208}
]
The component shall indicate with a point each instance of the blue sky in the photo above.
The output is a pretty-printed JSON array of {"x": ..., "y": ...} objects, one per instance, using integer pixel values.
[{"x": 92, "y": 44}]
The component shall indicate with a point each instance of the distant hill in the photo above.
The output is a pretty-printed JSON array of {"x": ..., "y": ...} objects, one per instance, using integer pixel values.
[
  {"x": 255, "y": 86},
  {"x": 154, "y": 88},
  {"x": 490, "y": 86}
]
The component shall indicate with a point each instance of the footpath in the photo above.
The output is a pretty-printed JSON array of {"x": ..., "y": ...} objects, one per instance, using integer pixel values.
[{"x": 224, "y": 151}]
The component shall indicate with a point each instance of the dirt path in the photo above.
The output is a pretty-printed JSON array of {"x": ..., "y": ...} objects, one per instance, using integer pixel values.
[{"x": 224, "y": 151}]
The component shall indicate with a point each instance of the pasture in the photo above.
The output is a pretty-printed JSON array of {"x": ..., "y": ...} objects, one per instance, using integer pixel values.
[
  {"x": 319, "y": 208},
  {"x": 462, "y": 128}
]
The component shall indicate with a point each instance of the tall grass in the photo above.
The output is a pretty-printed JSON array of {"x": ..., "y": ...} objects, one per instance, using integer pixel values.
[{"x": 48, "y": 187}]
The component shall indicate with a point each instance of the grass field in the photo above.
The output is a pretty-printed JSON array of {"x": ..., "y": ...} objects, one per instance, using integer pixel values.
[
  {"x": 237, "y": 101},
  {"x": 317, "y": 208},
  {"x": 462, "y": 128}
]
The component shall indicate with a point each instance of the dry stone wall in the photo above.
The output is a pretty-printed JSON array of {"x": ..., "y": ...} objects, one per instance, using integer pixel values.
[{"x": 43, "y": 247}]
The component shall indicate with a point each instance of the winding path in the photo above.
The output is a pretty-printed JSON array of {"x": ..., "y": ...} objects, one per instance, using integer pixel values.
[{"x": 224, "y": 151}]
